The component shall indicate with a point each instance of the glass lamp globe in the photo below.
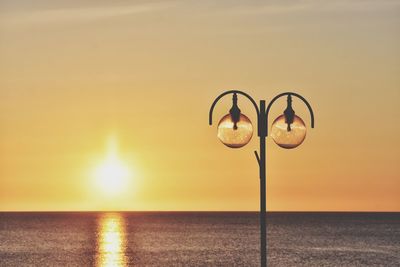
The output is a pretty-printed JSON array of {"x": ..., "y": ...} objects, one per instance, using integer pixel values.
[
  {"x": 235, "y": 137},
  {"x": 288, "y": 137}
]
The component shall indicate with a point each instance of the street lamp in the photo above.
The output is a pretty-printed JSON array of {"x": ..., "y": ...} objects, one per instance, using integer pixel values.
[{"x": 288, "y": 131}]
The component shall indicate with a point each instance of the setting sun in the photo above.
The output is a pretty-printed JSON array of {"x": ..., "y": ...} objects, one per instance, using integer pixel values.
[{"x": 112, "y": 176}]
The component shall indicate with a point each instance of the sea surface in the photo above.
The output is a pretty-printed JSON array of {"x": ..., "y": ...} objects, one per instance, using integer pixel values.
[{"x": 198, "y": 239}]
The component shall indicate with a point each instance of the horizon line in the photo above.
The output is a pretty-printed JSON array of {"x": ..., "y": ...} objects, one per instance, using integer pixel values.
[{"x": 197, "y": 211}]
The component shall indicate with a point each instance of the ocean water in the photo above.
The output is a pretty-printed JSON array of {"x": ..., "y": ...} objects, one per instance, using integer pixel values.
[{"x": 198, "y": 239}]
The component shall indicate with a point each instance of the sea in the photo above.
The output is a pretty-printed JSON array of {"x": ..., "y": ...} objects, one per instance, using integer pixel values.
[{"x": 198, "y": 239}]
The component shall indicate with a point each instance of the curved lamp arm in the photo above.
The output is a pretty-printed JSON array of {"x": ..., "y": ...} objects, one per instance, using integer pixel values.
[
  {"x": 231, "y": 92},
  {"x": 293, "y": 94}
]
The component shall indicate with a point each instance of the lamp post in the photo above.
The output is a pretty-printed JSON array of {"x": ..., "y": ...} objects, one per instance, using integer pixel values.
[{"x": 288, "y": 131}]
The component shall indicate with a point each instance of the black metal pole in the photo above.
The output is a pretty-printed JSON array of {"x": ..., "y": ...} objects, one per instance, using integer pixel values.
[
  {"x": 263, "y": 202},
  {"x": 263, "y": 209}
]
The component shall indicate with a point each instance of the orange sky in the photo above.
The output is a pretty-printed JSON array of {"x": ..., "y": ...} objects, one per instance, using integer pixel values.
[{"x": 75, "y": 76}]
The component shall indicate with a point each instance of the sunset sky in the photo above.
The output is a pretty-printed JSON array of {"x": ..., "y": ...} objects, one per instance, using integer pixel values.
[{"x": 89, "y": 87}]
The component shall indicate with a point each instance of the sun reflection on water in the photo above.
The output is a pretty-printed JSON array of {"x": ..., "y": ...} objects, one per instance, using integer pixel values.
[{"x": 111, "y": 242}]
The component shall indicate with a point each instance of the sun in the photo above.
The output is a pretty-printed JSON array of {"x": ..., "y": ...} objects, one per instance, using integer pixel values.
[{"x": 112, "y": 175}]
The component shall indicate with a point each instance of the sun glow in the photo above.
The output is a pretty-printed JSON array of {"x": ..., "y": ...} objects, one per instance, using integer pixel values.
[{"x": 112, "y": 176}]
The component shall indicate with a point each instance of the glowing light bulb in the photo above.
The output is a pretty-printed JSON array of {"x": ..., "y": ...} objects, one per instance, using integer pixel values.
[
  {"x": 235, "y": 137},
  {"x": 288, "y": 136}
]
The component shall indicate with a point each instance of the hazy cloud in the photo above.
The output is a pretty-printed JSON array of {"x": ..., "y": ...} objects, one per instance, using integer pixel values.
[
  {"x": 285, "y": 7},
  {"x": 46, "y": 13},
  {"x": 77, "y": 14}
]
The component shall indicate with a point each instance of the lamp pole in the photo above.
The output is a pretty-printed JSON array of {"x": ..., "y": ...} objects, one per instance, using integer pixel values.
[{"x": 238, "y": 136}]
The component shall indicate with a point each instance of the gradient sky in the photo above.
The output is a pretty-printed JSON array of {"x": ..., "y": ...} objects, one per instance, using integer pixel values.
[{"x": 76, "y": 74}]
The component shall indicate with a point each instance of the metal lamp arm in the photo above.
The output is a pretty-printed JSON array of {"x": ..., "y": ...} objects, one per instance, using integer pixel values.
[
  {"x": 232, "y": 92},
  {"x": 293, "y": 94}
]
